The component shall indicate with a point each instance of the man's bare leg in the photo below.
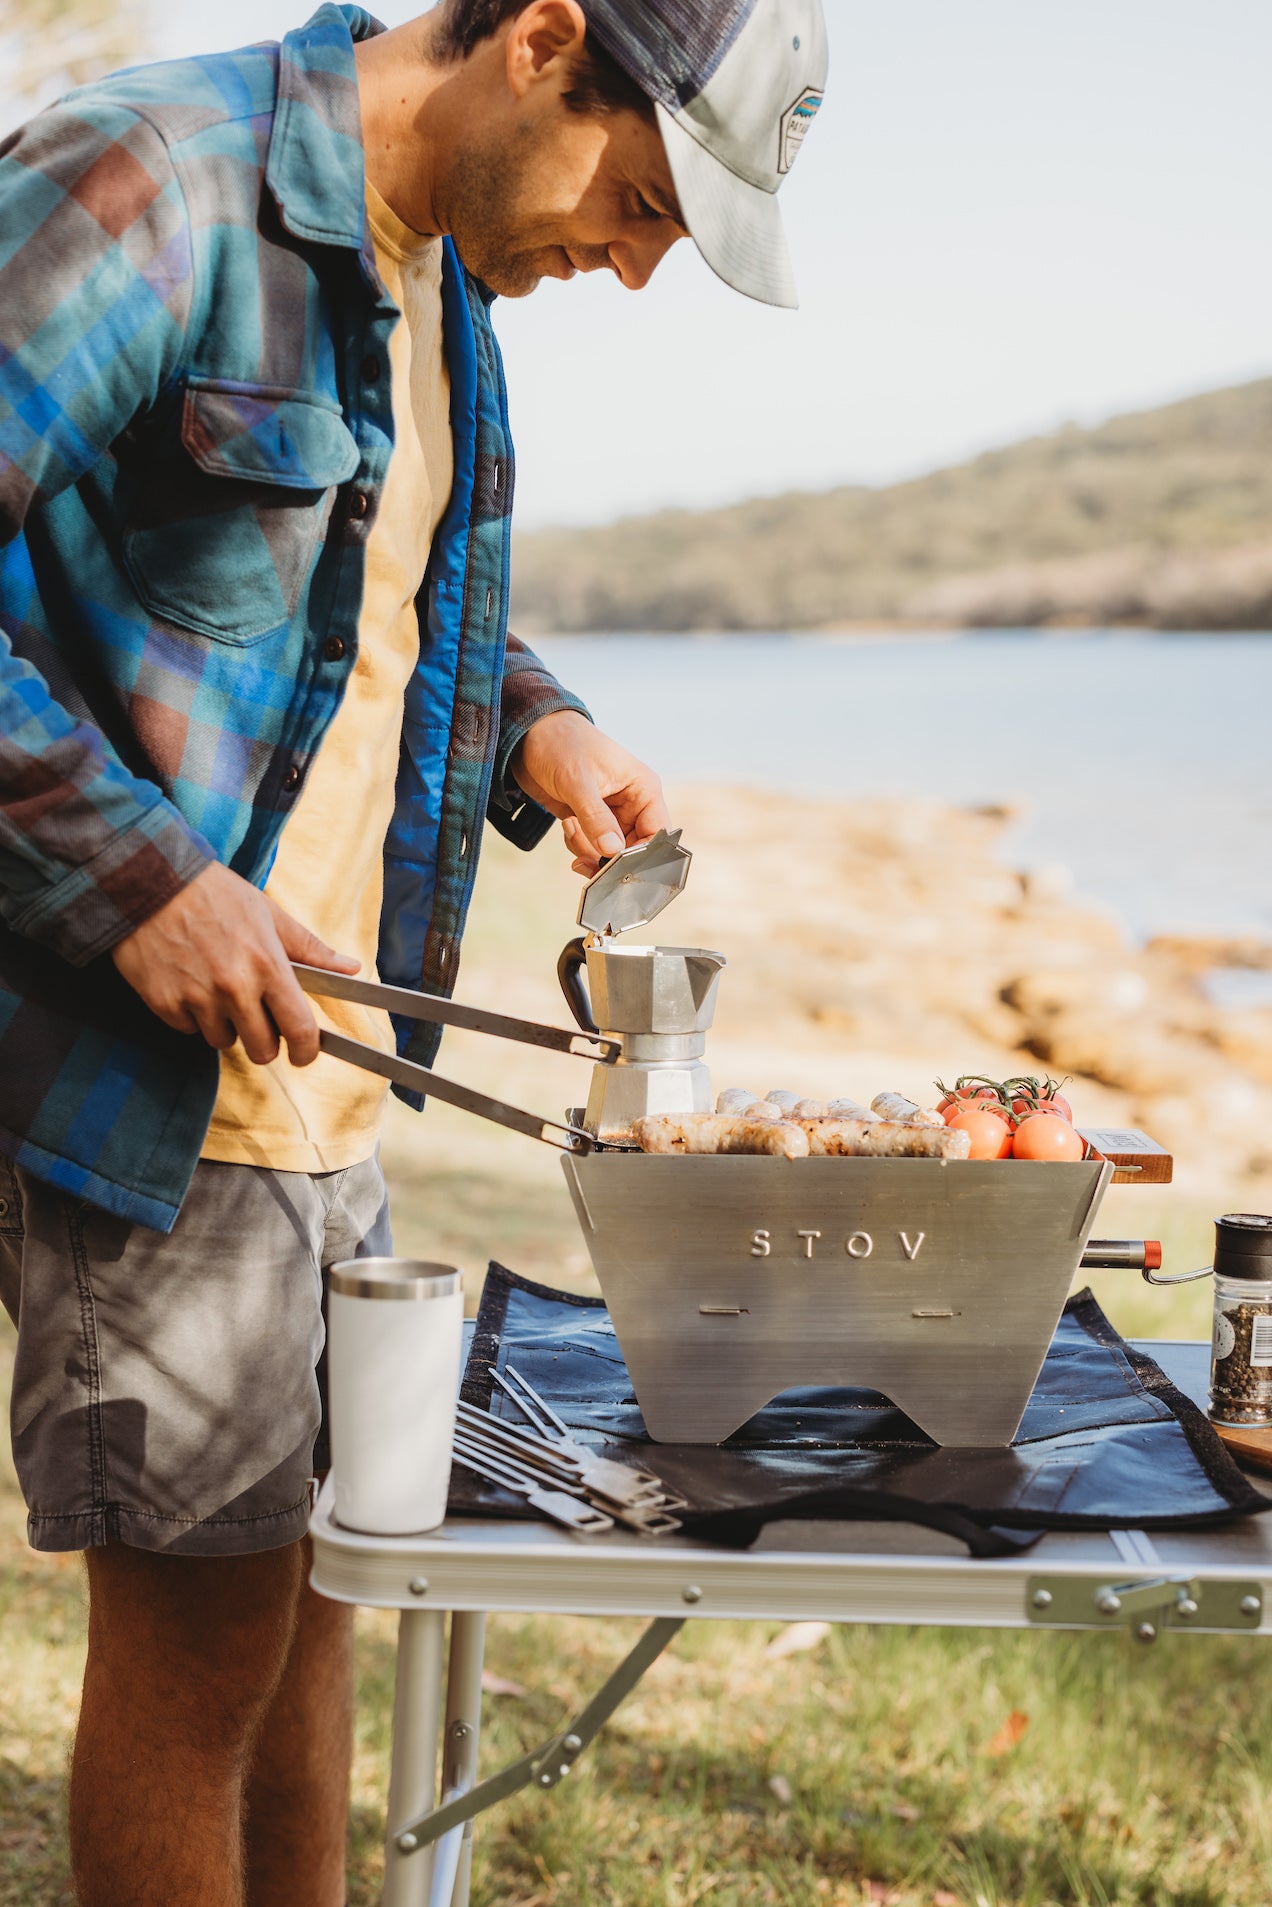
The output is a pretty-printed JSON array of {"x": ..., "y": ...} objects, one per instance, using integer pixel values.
[
  {"x": 184, "y": 1656},
  {"x": 298, "y": 1787}
]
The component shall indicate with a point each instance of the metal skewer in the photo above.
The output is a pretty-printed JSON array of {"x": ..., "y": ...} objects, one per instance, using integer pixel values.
[{"x": 556, "y": 1504}]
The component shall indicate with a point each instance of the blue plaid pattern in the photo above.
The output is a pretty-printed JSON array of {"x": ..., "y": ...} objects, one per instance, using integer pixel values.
[{"x": 193, "y": 442}]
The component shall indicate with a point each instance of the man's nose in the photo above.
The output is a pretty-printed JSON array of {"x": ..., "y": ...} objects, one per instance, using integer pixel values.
[{"x": 636, "y": 259}]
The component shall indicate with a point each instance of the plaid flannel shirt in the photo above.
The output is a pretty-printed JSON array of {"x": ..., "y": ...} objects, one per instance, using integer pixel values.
[{"x": 195, "y": 427}]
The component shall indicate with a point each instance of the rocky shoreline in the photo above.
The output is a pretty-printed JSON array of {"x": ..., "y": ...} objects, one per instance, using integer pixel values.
[{"x": 886, "y": 943}]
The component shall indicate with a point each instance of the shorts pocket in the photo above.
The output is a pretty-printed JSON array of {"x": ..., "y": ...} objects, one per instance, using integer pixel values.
[{"x": 223, "y": 529}]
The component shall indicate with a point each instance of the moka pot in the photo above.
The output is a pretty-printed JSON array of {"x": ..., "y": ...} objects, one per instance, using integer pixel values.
[{"x": 659, "y": 1001}]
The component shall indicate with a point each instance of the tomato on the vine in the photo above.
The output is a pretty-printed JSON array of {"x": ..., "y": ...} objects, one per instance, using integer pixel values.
[
  {"x": 1046, "y": 1135},
  {"x": 988, "y": 1130}
]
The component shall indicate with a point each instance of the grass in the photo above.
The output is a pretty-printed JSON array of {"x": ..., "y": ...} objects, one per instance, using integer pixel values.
[{"x": 866, "y": 1769}]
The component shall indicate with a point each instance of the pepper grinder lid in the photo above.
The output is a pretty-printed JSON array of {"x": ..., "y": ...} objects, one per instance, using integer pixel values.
[
  {"x": 635, "y": 886},
  {"x": 1243, "y": 1246}
]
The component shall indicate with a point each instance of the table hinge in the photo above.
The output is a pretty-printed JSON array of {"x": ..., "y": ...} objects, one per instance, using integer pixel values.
[
  {"x": 1145, "y": 1606},
  {"x": 552, "y": 1761}
]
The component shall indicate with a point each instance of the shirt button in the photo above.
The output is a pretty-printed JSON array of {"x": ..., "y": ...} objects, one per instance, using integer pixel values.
[
  {"x": 291, "y": 780},
  {"x": 371, "y": 368},
  {"x": 359, "y": 504},
  {"x": 333, "y": 649}
]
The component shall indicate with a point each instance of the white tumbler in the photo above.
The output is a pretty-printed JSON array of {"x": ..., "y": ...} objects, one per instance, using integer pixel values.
[{"x": 395, "y": 1333}]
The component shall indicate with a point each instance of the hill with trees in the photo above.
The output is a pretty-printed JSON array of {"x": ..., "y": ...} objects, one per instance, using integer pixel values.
[{"x": 1161, "y": 518}]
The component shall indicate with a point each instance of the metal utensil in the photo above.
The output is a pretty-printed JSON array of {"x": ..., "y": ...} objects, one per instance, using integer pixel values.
[
  {"x": 614, "y": 1490},
  {"x": 621, "y": 1481},
  {"x": 555, "y": 1504},
  {"x": 422, "y": 1079}
]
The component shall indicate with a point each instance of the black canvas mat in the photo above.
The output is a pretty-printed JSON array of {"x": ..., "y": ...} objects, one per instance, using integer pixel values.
[{"x": 1107, "y": 1441}]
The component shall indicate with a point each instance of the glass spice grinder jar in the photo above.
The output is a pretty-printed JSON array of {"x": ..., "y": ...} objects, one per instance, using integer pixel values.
[{"x": 1241, "y": 1347}]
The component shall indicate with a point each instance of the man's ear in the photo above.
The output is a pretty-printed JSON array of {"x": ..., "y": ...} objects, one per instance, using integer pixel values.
[{"x": 545, "y": 40}]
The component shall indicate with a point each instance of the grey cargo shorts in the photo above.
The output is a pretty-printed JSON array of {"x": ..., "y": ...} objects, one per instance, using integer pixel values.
[{"x": 168, "y": 1391}]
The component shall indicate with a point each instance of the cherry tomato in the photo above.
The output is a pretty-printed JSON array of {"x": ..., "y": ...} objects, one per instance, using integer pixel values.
[
  {"x": 1045, "y": 1135},
  {"x": 989, "y": 1132},
  {"x": 1057, "y": 1105}
]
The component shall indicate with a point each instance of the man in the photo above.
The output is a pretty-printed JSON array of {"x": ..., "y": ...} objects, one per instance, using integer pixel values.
[{"x": 255, "y": 704}]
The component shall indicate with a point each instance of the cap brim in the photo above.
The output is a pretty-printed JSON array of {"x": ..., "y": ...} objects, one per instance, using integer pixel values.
[{"x": 736, "y": 226}]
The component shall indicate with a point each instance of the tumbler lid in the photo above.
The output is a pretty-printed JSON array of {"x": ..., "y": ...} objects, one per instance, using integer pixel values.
[
  {"x": 411, "y": 1279},
  {"x": 1243, "y": 1245}
]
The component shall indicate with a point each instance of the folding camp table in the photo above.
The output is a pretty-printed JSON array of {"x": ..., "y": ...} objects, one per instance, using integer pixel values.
[{"x": 1214, "y": 1580}]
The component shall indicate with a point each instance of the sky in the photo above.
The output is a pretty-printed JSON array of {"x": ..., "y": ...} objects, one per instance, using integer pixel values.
[{"x": 1009, "y": 214}]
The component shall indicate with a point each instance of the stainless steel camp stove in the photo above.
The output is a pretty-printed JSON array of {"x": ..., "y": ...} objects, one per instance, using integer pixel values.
[{"x": 730, "y": 1280}]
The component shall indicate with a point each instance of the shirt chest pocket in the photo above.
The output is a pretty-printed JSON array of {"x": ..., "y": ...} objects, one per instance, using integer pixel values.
[{"x": 223, "y": 529}]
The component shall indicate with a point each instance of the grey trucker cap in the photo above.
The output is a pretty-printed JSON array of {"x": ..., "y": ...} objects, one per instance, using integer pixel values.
[{"x": 735, "y": 85}]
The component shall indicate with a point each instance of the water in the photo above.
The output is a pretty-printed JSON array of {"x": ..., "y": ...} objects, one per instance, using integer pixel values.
[{"x": 1141, "y": 761}]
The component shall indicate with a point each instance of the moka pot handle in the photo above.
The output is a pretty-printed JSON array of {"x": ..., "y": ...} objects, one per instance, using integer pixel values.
[{"x": 570, "y": 973}]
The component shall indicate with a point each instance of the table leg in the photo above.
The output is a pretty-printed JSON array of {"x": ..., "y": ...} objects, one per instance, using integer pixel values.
[
  {"x": 417, "y": 1707},
  {"x": 463, "y": 1730}
]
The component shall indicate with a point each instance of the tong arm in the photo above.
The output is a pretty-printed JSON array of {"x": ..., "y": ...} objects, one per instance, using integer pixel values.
[
  {"x": 422, "y": 1079},
  {"x": 426, "y": 1006}
]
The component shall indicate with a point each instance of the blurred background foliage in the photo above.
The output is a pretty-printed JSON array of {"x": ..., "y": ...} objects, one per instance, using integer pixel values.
[{"x": 47, "y": 46}]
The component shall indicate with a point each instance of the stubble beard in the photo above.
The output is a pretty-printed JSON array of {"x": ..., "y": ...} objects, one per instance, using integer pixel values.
[{"x": 493, "y": 233}]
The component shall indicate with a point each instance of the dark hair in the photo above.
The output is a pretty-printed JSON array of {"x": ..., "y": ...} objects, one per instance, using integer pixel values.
[{"x": 600, "y": 85}]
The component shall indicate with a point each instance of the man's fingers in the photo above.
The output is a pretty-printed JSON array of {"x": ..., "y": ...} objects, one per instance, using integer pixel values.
[
  {"x": 598, "y": 832},
  {"x": 257, "y": 1031},
  {"x": 217, "y": 1029},
  {"x": 292, "y": 1015},
  {"x": 652, "y": 815},
  {"x": 300, "y": 943}
]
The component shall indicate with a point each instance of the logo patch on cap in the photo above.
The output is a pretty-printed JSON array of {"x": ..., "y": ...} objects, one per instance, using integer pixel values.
[{"x": 795, "y": 123}]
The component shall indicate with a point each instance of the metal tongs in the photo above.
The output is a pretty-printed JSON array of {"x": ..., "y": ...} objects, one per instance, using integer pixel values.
[
  {"x": 546, "y": 1461},
  {"x": 438, "y": 1012}
]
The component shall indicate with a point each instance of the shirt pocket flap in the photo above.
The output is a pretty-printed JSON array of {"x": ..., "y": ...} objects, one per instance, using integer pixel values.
[{"x": 264, "y": 435}]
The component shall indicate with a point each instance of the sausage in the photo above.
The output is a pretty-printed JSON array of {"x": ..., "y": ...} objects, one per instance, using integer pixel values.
[
  {"x": 903, "y": 1111},
  {"x": 736, "y": 1099},
  {"x": 711, "y": 1133},
  {"x": 882, "y": 1139},
  {"x": 850, "y": 1109},
  {"x": 786, "y": 1100},
  {"x": 810, "y": 1109}
]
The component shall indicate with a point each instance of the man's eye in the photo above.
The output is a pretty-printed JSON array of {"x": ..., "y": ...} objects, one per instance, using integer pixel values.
[{"x": 647, "y": 211}]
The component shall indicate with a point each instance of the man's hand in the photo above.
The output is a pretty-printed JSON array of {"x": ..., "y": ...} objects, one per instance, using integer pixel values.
[
  {"x": 604, "y": 797},
  {"x": 217, "y": 960}
]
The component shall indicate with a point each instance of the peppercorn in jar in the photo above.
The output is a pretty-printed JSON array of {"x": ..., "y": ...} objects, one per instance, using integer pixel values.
[{"x": 1241, "y": 1348}]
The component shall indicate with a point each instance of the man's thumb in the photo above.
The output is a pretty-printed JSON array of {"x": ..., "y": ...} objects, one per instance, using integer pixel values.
[
  {"x": 302, "y": 944},
  {"x": 598, "y": 824}
]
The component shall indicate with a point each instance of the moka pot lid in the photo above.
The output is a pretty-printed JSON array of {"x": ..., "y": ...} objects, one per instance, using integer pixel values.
[{"x": 635, "y": 886}]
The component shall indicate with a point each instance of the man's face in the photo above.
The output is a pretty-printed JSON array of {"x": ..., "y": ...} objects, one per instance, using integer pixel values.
[{"x": 555, "y": 191}]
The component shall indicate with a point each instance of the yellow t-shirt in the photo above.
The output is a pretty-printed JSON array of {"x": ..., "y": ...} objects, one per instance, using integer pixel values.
[{"x": 328, "y": 873}]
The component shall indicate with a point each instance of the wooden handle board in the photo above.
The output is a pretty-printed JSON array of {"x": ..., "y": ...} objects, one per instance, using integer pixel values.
[
  {"x": 1247, "y": 1445},
  {"x": 1124, "y": 1146}
]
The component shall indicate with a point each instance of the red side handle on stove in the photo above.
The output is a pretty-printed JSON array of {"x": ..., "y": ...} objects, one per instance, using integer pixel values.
[{"x": 1122, "y": 1254}]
